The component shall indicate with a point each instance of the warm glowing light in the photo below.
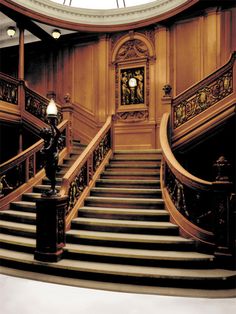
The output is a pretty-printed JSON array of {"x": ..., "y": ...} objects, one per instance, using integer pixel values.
[
  {"x": 52, "y": 109},
  {"x": 11, "y": 31},
  {"x": 56, "y": 34}
]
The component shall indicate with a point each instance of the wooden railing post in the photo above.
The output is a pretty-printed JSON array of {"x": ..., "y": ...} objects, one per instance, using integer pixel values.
[
  {"x": 167, "y": 98},
  {"x": 67, "y": 111},
  {"x": 50, "y": 228}
]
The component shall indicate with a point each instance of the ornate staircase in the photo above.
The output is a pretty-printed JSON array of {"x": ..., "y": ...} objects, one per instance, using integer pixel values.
[{"x": 122, "y": 234}]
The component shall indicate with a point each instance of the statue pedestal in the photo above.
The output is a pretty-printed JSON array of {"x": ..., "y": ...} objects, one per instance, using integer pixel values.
[{"x": 50, "y": 228}]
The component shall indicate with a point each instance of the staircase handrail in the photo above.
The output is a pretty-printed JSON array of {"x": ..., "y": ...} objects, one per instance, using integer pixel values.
[
  {"x": 216, "y": 88},
  {"x": 180, "y": 173},
  {"x": 82, "y": 172},
  {"x": 201, "y": 208}
]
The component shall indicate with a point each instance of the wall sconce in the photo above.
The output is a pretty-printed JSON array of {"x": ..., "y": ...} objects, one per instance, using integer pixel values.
[
  {"x": 56, "y": 34},
  {"x": 11, "y": 31}
]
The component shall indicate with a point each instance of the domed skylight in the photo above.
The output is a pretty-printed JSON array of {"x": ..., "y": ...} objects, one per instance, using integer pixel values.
[{"x": 102, "y": 4}]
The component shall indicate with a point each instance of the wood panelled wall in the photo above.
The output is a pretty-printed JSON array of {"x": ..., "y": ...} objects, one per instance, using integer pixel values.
[{"x": 180, "y": 55}]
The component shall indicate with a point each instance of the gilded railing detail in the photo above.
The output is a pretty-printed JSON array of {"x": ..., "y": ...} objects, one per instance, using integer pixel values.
[
  {"x": 203, "y": 95},
  {"x": 203, "y": 99}
]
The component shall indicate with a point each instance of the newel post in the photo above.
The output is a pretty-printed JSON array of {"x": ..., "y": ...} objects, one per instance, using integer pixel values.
[
  {"x": 167, "y": 98},
  {"x": 50, "y": 228},
  {"x": 67, "y": 111},
  {"x": 224, "y": 214}
]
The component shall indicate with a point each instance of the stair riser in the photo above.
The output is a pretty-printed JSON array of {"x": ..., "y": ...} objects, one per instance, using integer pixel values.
[
  {"x": 124, "y": 217},
  {"x": 123, "y": 229},
  {"x": 29, "y": 198},
  {"x": 130, "y": 177},
  {"x": 129, "y": 169},
  {"x": 177, "y": 282},
  {"x": 135, "y": 163},
  {"x": 126, "y": 195},
  {"x": 17, "y": 247},
  {"x": 131, "y": 244},
  {"x": 13, "y": 218},
  {"x": 23, "y": 208},
  {"x": 47, "y": 181},
  {"x": 20, "y": 233},
  {"x": 110, "y": 204},
  {"x": 131, "y": 155},
  {"x": 172, "y": 263},
  {"x": 128, "y": 185}
]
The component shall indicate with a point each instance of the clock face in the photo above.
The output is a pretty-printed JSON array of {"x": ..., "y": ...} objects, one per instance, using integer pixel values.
[{"x": 132, "y": 82}]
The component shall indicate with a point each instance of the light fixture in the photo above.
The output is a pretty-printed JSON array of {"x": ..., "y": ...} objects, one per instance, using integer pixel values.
[
  {"x": 11, "y": 31},
  {"x": 51, "y": 109},
  {"x": 56, "y": 34}
]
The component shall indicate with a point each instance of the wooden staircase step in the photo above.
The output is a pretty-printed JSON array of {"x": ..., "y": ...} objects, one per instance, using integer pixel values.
[
  {"x": 46, "y": 181},
  {"x": 164, "y": 242},
  {"x": 124, "y": 226},
  {"x": 138, "y": 256},
  {"x": 130, "y": 175},
  {"x": 145, "y": 158},
  {"x": 41, "y": 188},
  {"x": 132, "y": 168},
  {"x": 18, "y": 216},
  {"x": 15, "y": 228},
  {"x": 125, "y": 192},
  {"x": 124, "y": 202},
  {"x": 128, "y": 183},
  {"x": 23, "y": 206},
  {"x": 22, "y": 244},
  {"x": 142, "y": 275},
  {"x": 124, "y": 213}
]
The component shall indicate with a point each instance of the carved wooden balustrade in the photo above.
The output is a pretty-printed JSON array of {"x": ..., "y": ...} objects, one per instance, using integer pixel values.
[
  {"x": 20, "y": 169},
  {"x": 213, "y": 97},
  {"x": 84, "y": 171},
  {"x": 8, "y": 89},
  {"x": 201, "y": 208},
  {"x": 37, "y": 105}
]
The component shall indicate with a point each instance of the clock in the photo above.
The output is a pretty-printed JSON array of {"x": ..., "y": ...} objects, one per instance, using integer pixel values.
[{"x": 132, "y": 82}]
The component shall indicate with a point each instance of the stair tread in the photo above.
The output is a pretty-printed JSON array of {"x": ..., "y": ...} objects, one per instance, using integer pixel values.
[
  {"x": 17, "y": 240},
  {"x": 129, "y": 181},
  {"x": 128, "y": 236},
  {"x": 18, "y": 213},
  {"x": 123, "y": 223},
  {"x": 17, "y": 225},
  {"x": 124, "y": 190},
  {"x": 127, "y": 200},
  {"x": 25, "y": 203},
  {"x": 147, "y": 151},
  {"x": 131, "y": 252},
  {"x": 122, "y": 270},
  {"x": 133, "y": 211},
  {"x": 131, "y": 173}
]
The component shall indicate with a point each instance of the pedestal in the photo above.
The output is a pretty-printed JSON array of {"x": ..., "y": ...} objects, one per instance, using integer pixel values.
[{"x": 50, "y": 228}]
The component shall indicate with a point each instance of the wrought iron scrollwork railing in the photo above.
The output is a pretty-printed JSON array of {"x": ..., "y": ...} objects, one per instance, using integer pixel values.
[
  {"x": 203, "y": 95},
  {"x": 8, "y": 89},
  {"x": 79, "y": 176}
]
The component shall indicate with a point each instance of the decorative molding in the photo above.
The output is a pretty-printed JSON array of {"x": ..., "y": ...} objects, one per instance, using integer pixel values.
[
  {"x": 100, "y": 17},
  {"x": 132, "y": 116}
]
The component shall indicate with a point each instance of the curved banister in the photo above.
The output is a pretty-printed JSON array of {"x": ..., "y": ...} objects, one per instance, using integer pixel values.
[{"x": 180, "y": 173}]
